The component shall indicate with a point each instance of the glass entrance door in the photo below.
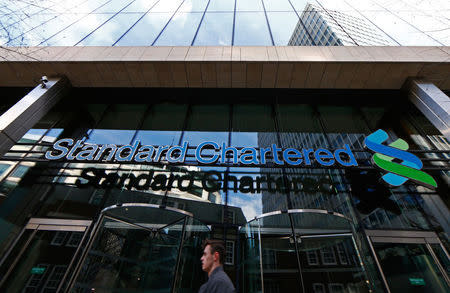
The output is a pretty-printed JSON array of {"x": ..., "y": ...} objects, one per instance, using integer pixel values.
[
  {"x": 143, "y": 248},
  {"x": 42, "y": 256},
  {"x": 411, "y": 261},
  {"x": 301, "y": 251}
]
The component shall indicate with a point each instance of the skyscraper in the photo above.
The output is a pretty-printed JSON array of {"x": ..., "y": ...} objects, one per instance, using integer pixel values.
[
  {"x": 132, "y": 130},
  {"x": 318, "y": 26}
]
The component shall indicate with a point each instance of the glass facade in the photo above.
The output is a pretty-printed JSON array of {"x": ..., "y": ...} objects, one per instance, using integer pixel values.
[
  {"x": 297, "y": 227},
  {"x": 224, "y": 23},
  {"x": 285, "y": 177}
]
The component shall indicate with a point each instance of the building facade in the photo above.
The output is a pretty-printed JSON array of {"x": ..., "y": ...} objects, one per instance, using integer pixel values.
[{"x": 312, "y": 137}]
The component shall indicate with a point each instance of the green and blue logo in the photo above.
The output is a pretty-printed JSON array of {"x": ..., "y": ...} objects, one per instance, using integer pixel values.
[{"x": 398, "y": 173}]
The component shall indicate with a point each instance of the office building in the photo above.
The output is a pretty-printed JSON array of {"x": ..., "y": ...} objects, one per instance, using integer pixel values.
[{"x": 132, "y": 130}]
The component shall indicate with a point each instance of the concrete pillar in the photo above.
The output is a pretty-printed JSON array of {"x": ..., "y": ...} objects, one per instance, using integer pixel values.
[
  {"x": 15, "y": 122},
  {"x": 432, "y": 102}
]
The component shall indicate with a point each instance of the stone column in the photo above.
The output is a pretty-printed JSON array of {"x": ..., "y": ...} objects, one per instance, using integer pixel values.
[
  {"x": 432, "y": 102},
  {"x": 15, "y": 122}
]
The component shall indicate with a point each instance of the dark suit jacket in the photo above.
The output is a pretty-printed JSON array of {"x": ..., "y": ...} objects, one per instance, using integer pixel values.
[{"x": 218, "y": 282}]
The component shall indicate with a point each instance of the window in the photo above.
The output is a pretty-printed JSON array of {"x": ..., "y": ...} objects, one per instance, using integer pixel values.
[
  {"x": 229, "y": 253},
  {"x": 328, "y": 256},
  {"x": 212, "y": 197},
  {"x": 20, "y": 171},
  {"x": 54, "y": 278},
  {"x": 311, "y": 257},
  {"x": 318, "y": 288},
  {"x": 342, "y": 254},
  {"x": 3, "y": 168},
  {"x": 59, "y": 238},
  {"x": 336, "y": 288},
  {"x": 74, "y": 239}
]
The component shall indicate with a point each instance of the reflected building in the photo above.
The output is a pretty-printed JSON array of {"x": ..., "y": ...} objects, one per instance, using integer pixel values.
[
  {"x": 319, "y": 26},
  {"x": 167, "y": 72}
]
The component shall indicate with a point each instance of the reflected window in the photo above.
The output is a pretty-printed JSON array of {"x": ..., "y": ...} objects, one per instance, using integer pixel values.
[
  {"x": 312, "y": 258},
  {"x": 328, "y": 256}
]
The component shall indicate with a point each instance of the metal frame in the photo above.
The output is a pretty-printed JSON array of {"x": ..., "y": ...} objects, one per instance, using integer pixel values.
[
  {"x": 44, "y": 224},
  {"x": 103, "y": 215},
  {"x": 411, "y": 237},
  {"x": 292, "y": 230}
]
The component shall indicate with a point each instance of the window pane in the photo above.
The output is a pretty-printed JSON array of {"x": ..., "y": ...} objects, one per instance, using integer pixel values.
[
  {"x": 181, "y": 30},
  {"x": 158, "y": 130},
  {"x": 220, "y": 5},
  {"x": 277, "y": 5},
  {"x": 396, "y": 28},
  {"x": 113, "y": 6},
  {"x": 249, "y": 5},
  {"x": 251, "y": 29},
  {"x": 77, "y": 31},
  {"x": 108, "y": 33},
  {"x": 282, "y": 25},
  {"x": 140, "y": 6},
  {"x": 215, "y": 30},
  {"x": 300, "y": 5},
  {"x": 167, "y": 6},
  {"x": 193, "y": 6},
  {"x": 44, "y": 31},
  {"x": 146, "y": 30}
]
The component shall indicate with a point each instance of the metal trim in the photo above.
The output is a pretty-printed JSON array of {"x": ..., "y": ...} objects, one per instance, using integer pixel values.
[
  {"x": 380, "y": 270},
  {"x": 439, "y": 265},
  {"x": 65, "y": 222},
  {"x": 314, "y": 211},
  {"x": 401, "y": 234},
  {"x": 153, "y": 206},
  {"x": 19, "y": 255}
]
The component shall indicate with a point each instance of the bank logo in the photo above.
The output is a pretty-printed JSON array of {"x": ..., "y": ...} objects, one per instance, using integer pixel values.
[{"x": 398, "y": 173}]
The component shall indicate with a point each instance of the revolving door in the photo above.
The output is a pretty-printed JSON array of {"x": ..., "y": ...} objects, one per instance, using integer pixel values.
[
  {"x": 142, "y": 248},
  {"x": 301, "y": 251}
]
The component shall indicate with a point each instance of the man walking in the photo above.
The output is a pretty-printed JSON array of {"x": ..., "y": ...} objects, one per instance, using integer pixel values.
[{"x": 212, "y": 263}]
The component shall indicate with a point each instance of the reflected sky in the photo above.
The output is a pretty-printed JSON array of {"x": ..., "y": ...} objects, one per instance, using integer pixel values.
[{"x": 219, "y": 22}]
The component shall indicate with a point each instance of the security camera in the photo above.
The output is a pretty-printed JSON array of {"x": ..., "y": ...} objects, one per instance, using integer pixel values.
[{"x": 44, "y": 80}]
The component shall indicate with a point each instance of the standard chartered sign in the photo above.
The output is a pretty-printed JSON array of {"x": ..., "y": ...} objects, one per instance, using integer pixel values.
[{"x": 208, "y": 152}]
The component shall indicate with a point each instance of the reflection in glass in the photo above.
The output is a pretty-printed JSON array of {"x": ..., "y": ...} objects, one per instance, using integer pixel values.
[
  {"x": 193, "y": 6},
  {"x": 118, "y": 125},
  {"x": 146, "y": 30},
  {"x": 410, "y": 267},
  {"x": 113, "y": 6},
  {"x": 167, "y": 6},
  {"x": 277, "y": 5},
  {"x": 249, "y": 5},
  {"x": 77, "y": 31},
  {"x": 220, "y": 6},
  {"x": 251, "y": 29},
  {"x": 215, "y": 29},
  {"x": 109, "y": 32},
  {"x": 139, "y": 6},
  {"x": 37, "y": 35},
  {"x": 181, "y": 30},
  {"x": 282, "y": 25}
]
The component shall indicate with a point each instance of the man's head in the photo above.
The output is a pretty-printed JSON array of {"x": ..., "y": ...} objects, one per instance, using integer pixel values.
[{"x": 213, "y": 255}]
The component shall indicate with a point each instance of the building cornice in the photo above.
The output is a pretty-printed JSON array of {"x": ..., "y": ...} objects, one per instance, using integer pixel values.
[{"x": 227, "y": 67}]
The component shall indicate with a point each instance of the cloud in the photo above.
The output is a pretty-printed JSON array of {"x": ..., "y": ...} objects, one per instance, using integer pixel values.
[{"x": 251, "y": 205}]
